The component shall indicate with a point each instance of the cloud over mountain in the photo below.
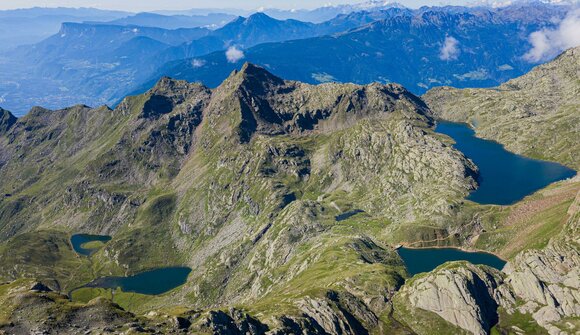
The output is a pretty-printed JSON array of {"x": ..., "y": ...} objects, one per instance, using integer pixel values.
[
  {"x": 233, "y": 54},
  {"x": 547, "y": 43},
  {"x": 450, "y": 49}
]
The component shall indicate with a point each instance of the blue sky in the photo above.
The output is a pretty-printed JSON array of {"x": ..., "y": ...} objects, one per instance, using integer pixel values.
[{"x": 144, "y": 5}]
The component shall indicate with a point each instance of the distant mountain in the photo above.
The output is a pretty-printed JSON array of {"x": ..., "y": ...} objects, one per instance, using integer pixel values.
[
  {"x": 26, "y": 26},
  {"x": 456, "y": 46},
  {"x": 85, "y": 41},
  {"x": 431, "y": 46},
  {"x": 98, "y": 63},
  {"x": 325, "y": 13},
  {"x": 213, "y": 20},
  {"x": 316, "y": 15}
]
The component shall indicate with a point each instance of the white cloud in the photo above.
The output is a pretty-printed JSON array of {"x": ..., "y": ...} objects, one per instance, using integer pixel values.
[
  {"x": 195, "y": 63},
  {"x": 500, "y": 4},
  {"x": 479, "y": 74},
  {"x": 505, "y": 67},
  {"x": 234, "y": 54},
  {"x": 548, "y": 43},
  {"x": 450, "y": 49}
]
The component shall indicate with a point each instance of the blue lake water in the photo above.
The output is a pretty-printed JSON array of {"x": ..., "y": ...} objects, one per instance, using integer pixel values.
[
  {"x": 427, "y": 259},
  {"x": 346, "y": 215},
  {"x": 504, "y": 177},
  {"x": 151, "y": 282},
  {"x": 79, "y": 239}
]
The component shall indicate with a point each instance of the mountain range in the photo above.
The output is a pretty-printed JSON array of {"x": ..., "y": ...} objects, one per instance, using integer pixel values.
[
  {"x": 423, "y": 48},
  {"x": 98, "y": 63},
  {"x": 483, "y": 47},
  {"x": 245, "y": 184},
  {"x": 211, "y": 20},
  {"x": 28, "y": 26}
]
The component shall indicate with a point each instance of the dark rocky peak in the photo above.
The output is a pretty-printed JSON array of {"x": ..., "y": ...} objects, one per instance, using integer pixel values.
[
  {"x": 7, "y": 120},
  {"x": 258, "y": 80},
  {"x": 256, "y": 18},
  {"x": 271, "y": 106},
  {"x": 251, "y": 89},
  {"x": 169, "y": 93}
]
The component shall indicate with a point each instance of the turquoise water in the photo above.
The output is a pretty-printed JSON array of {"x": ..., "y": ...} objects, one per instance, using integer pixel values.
[
  {"x": 504, "y": 177},
  {"x": 79, "y": 239},
  {"x": 151, "y": 282},
  {"x": 427, "y": 259}
]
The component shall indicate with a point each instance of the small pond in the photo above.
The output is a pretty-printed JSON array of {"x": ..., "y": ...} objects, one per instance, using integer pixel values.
[
  {"x": 427, "y": 259},
  {"x": 346, "y": 215},
  {"x": 85, "y": 244},
  {"x": 150, "y": 282},
  {"x": 504, "y": 177}
]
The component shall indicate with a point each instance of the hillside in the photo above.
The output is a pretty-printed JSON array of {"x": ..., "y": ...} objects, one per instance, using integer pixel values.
[
  {"x": 285, "y": 199},
  {"x": 535, "y": 114},
  {"x": 241, "y": 183}
]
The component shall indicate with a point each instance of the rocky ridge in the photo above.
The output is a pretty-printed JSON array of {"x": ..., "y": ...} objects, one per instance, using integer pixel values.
[{"x": 242, "y": 183}]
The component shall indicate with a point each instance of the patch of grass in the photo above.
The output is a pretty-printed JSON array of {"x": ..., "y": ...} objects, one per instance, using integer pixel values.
[
  {"x": 93, "y": 245},
  {"x": 44, "y": 255},
  {"x": 530, "y": 223},
  {"x": 524, "y": 322},
  {"x": 158, "y": 210}
]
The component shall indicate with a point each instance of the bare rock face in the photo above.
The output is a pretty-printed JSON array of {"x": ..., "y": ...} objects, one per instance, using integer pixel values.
[
  {"x": 339, "y": 314},
  {"x": 548, "y": 280},
  {"x": 7, "y": 120},
  {"x": 543, "y": 283},
  {"x": 232, "y": 323},
  {"x": 462, "y": 294}
]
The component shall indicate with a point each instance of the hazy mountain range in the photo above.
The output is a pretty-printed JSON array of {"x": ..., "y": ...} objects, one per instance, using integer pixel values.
[
  {"x": 100, "y": 62},
  {"x": 25, "y": 26}
]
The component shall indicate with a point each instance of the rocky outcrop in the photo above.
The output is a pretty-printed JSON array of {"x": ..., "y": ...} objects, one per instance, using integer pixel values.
[
  {"x": 7, "y": 120},
  {"x": 464, "y": 295},
  {"x": 548, "y": 280},
  {"x": 541, "y": 283},
  {"x": 270, "y": 105},
  {"x": 233, "y": 322},
  {"x": 339, "y": 314}
]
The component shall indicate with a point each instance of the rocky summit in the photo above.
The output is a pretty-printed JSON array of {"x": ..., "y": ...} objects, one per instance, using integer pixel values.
[{"x": 285, "y": 200}]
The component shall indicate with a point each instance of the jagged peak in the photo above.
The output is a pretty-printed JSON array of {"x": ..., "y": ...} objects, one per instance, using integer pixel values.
[
  {"x": 169, "y": 86},
  {"x": 7, "y": 120},
  {"x": 253, "y": 18},
  {"x": 253, "y": 78},
  {"x": 256, "y": 70}
]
